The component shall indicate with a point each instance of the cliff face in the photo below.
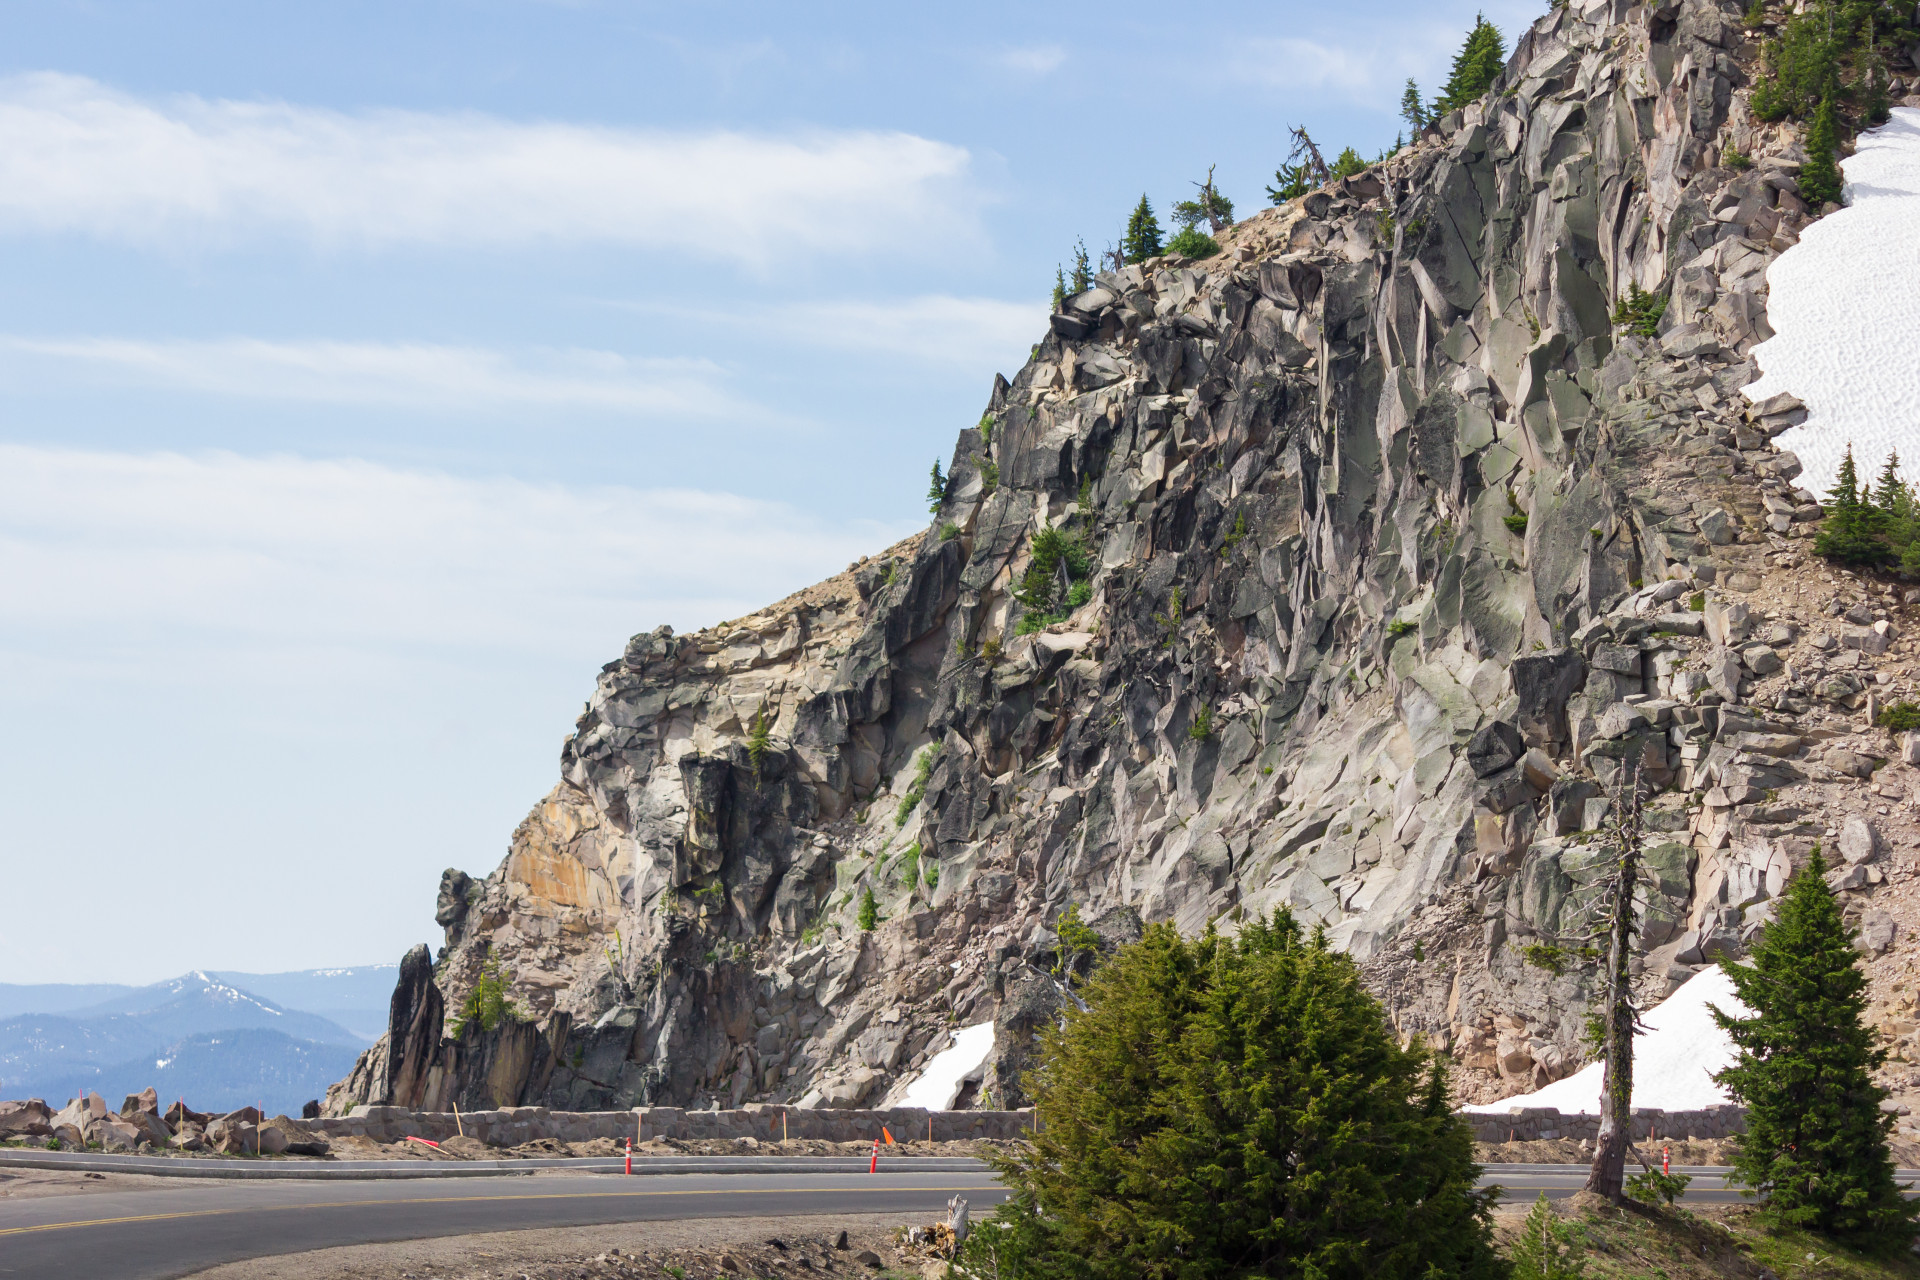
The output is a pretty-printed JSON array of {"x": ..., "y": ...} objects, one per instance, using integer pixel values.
[{"x": 1312, "y": 654}]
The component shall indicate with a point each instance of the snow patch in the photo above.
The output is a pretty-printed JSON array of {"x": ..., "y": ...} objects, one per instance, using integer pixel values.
[
  {"x": 939, "y": 1084},
  {"x": 1844, "y": 304},
  {"x": 1673, "y": 1061}
]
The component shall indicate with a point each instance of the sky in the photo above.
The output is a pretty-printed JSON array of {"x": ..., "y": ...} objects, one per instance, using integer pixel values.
[{"x": 370, "y": 372}]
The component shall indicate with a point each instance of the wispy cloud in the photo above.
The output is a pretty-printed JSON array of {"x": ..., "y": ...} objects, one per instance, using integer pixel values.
[
  {"x": 193, "y": 554},
  {"x": 409, "y": 375},
  {"x": 1035, "y": 60},
  {"x": 77, "y": 156},
  {"x": 1358, "y": 70},
  {"x": 932, "y": 329}
]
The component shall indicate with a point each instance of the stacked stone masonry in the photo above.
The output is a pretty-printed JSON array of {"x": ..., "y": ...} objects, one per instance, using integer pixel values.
[
  {"x": 1528, "y": 1124},
  {"x": 512, "y": 1126}
]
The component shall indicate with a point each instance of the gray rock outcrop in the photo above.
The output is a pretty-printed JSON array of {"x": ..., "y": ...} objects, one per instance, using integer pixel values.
[{"x": 1390, "y": 536}]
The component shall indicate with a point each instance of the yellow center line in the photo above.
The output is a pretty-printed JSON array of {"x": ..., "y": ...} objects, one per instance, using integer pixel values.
[{"x": 366, "y": 1204}]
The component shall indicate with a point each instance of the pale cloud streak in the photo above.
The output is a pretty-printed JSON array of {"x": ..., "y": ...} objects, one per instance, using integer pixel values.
[
  {"x": 199, "y": 555},
  {"x": 1035, "y": 60},
  {"x": 78, "y": 156},
  {"x": 421, "y": 376},
  {"x": 983, "y": 334}
]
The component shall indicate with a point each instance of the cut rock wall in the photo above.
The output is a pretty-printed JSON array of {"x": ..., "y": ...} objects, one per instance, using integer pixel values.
[{"x": 1398, "y": 550}]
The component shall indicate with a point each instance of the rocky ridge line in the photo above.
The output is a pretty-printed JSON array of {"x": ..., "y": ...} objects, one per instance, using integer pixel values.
[{"x": 1397, "y": 550}]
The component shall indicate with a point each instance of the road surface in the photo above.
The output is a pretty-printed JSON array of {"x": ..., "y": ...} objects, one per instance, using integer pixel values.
[{"x": 176, "y": 1230}]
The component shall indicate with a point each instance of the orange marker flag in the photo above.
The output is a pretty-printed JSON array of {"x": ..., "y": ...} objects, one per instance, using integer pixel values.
[{"x": 889, "y": 1134}]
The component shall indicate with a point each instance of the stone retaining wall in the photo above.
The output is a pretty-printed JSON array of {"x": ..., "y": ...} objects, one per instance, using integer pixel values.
[
  {"x": 514, "y": 1125},
  {"x": 1523, "y": 1124}
]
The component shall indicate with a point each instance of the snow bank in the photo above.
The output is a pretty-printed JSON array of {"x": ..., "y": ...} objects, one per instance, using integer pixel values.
[
  {"x": 939, "y": 1084},
  {"x": 1845, "y": 308},
  {"x": 1673, "y": 1061}
]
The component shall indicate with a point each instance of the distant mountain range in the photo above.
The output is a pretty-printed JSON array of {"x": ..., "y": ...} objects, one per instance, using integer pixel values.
[{"x": 219, "y": 1040}]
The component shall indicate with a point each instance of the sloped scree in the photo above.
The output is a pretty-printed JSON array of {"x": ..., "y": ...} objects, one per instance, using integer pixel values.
[{"x": 1319, "y": 666}]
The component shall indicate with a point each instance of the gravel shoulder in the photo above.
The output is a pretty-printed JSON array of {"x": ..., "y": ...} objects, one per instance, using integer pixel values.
[{"x": 699, "y": 1248}]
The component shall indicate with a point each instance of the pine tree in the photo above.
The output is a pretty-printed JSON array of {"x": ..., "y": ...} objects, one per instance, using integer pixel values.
[
  {"x": 1059, "y": 289},
  {"x": 1346, "y": 164},
  {"x": 1237, "y": 1107},
  {"x": 936, "y": 490},
  {"x": 1541, "y": 1250},
  {"x": 1142, "y": 240},
  {"x": 1482, "y": 56},
  {"x": 869, "y": 911},
  {"x": 1082, "y": 279},
  {"x": 1816, "y": 1142},
  {"x": 1412, "y": 109},
  {"x": 1852, "y": 531},
  {"x": 1290, "y": 182},
  {"x": 1890, "y": 489},
  {"x": 1820, "y": 176}
]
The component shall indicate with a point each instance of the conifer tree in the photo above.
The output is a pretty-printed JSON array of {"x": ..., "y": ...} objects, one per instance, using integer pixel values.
[
  {"x": 1237, "y": 1107},
  {"x": 1820, "y": 176},
  {"x": 1142, "y": 240},
  {"x": 1482, "y": 56},
  {"x": 936, "y": 490},
  {"x": 1890, "y": 489},
  {"x": 1412, "y": 109},
  {"x": 1851, "y": 532},
  {"x": 1082, "y": 279},
  {"x": 1816, "y": 1142},
  {"x": 1346, "y": 164},
  {"x": 1059, "y": 289},
  {"x": 1541, "y": 1251}
]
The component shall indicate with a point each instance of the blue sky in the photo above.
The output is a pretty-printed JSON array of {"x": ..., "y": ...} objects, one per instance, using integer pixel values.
[{"x": 368, "y": 372}]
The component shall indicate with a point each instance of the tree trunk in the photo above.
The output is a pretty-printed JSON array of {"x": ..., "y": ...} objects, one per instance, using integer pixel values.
[{"x": 1608, "y": 1174}]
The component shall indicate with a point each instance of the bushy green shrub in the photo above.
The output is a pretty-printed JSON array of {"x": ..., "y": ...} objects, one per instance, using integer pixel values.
[
  {"x": 1640, "y": 311},
  {"x": 917, "y": 790},
  {"x": 1516, "y": 522},
  {"x": 1901, "y": 717},
  {"x": 1227, "y": 1107},
  {"x": 869, "y": 914},
  {"x": 1192, "y": 242},
  {"x": 1055, "y": 554},
  {"x": 489, "y": 1003}
]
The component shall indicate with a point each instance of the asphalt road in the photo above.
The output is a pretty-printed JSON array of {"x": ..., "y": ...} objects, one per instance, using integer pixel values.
[
  {"x": 168, "y": 1231},
  {"x": 175, "y": 1231}
]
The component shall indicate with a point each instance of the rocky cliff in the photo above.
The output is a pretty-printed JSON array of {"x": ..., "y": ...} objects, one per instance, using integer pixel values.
[{"x": 1342, "y": 571}]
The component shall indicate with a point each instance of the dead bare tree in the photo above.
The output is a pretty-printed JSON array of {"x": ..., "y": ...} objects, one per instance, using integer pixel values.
[
  {"x": 1609, "y": 944},
  {"x": 1618, "y": 1018},
  {"x": 1304, "y": 152}
]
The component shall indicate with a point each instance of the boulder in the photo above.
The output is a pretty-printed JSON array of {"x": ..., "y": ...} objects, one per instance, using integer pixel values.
[
  {"x": 152, "y": 1130},
  {"x": 180, "y": 1113},
  {"x": 146, "y": 1101},
  {"x": 1877, "y": 932},
  {"x": 112, "y": 1133},
  {"x": 28, "y": 1119},
  {"x": 1859, "y": 841},
  {"x": 1493, "y": 748},
  {"x": 1843, "y": 761},
  {"x": 296, "y": 1139},
  {"x": 1542, "y": 682}
]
